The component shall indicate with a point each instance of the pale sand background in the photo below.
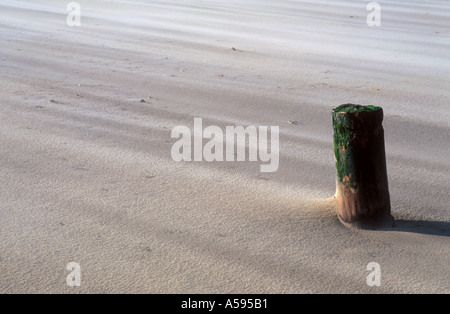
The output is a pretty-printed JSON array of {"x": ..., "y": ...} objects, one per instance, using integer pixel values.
[{"x": 86, "y": 173}]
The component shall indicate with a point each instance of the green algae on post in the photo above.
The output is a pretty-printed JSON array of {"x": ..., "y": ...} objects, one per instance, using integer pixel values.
[
  {"x": 350, "y": 108},
  {"x": 345, "y": 131},
  {"x": 342, "y": 137}
]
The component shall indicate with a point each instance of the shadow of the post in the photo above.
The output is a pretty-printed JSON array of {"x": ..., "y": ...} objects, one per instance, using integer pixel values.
[{"x": 439, "y": 228}]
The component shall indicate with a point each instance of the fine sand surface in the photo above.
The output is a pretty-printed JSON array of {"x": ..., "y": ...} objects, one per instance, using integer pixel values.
[{"x": 86, "y": 173}]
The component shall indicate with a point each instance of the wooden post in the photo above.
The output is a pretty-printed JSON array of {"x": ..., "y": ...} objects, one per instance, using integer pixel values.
[{"x": 362, "y": 194}]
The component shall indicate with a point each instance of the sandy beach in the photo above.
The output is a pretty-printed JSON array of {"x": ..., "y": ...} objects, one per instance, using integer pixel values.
[{"x": 86, "y": 171}]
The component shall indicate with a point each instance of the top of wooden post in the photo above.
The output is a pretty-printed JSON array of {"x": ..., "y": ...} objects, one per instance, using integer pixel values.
[
  {"x": 356, "y": 117},
  {"x": 352, "y": 108}
]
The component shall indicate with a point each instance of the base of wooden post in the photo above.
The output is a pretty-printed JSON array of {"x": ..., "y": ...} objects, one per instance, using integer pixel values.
[{"x": 379, "y": 224}]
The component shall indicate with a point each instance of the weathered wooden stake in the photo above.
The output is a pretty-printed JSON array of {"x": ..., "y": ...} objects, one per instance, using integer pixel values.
[{"x": 362, "y": 193}]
